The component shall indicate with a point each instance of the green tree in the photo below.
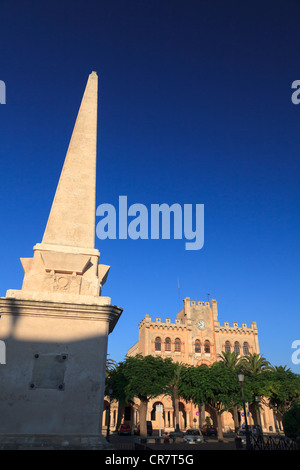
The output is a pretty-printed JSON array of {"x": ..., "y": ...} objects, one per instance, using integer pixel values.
[
  {"x": 223, "y": 391},
  {"x": 216, "y": 386},
  {"x": 117, "y": 381},
  {"x": 147, "y": 377},
  {"x": 282, "y": 389},
  {"x": 208, "y": 421},
  {"x": 193, "y": 383},
  {"x": 291, "y": 421},
  {"x": 285, "y": 389}
]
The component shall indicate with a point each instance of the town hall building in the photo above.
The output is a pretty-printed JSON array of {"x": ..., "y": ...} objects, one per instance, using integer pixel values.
[{"x": 196, "y": 338}]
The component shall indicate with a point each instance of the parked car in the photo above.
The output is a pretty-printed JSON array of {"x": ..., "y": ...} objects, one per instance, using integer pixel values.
[
  {"x": 254, "y": 430},
  {"x": 209, "y": 431},
  {"x": 193, "y": 436},
  {"x": 175, "y": 434},
  {"x": 149, "y": 429},
  {"x": 124, "y": 429}
]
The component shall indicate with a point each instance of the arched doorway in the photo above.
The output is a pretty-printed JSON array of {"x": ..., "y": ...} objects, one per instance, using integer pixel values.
[
  {"x": 158, "y": 418},
  {"x": 210, "y": 416},
  {"x": 105, "y": 414}
]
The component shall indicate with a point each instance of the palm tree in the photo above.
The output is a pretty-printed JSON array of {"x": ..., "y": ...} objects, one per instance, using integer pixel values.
[
  {"x": 253, "y": 364},
  {"x": 232, "y": 361},
  {"x": 110, "y": 365},
  {"x": 280, "y": 369},
  {"x": 172, "y": 390}
]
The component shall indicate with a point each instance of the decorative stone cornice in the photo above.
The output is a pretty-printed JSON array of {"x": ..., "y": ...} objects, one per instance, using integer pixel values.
[{"x": 96, "y": 312}]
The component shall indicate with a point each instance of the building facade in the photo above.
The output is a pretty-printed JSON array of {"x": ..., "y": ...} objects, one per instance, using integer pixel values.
[{"x": 196, "y": 338}]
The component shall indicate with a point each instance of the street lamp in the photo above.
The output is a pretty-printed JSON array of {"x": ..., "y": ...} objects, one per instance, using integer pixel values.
[
  {"x": 110, "y": 392},
  {"x": 241, "y": 379},
  {"x": 258, "y": 400}
]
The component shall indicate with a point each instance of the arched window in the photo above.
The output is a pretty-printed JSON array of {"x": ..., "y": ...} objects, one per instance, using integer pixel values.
[
  {"x": 207, "y": 346},
  {"x": 227, "y": 346},
  {"x": 168, "y": 344},
  {"x": 197, "y": 346},
  {"x": 245, "y": 349},
  {"x": 153, "y": 415},
  {"x": 177, "y": 345},
  {"x": 157, "y": 344},
  {"x": 237, "y": 348}
]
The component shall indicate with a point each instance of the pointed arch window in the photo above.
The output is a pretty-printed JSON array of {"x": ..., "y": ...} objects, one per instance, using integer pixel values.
[
  {"x": 168, "y": 344},
  {"x": 157, "y": 344},
  {"x": 197, "y": 346},
  {"x": 245, "y": 349},
  {"x": 207, "y": 346},
  {"x": 237, "y": 348},
  {"x": 177, "y": 345},
  {"x": 227, "y": 346}
]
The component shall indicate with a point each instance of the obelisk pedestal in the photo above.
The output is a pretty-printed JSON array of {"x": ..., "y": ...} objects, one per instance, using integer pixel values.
[{"x": 56, "y": 327}]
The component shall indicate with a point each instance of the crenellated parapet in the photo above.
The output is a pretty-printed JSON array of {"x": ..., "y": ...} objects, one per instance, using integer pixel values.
[
  {"x": 199, "y": 303},
  {"x": 159, "y": 324},
  {"x": 235, "y": 328}
]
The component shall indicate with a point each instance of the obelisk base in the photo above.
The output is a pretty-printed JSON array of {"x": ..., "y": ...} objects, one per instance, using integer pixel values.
[{"x": 52, "y": 384}]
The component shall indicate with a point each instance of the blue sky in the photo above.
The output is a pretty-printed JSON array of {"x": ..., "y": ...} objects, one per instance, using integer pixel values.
[{"x": 194, "y": 108}]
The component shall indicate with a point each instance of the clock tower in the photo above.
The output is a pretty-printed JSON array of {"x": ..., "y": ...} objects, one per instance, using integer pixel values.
[{"x": 200, "y": 318}]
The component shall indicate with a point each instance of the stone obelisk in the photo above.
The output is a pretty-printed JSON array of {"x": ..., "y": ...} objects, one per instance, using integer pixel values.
[{"x": 56, "y": 327}]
